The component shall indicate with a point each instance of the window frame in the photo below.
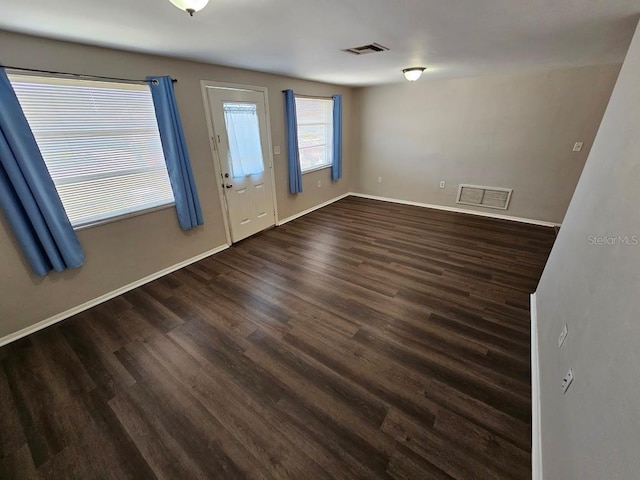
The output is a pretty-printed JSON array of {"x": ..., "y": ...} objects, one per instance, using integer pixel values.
[
  {"x": 14, "y": 75},
  {"x": 330, "y": 134}
]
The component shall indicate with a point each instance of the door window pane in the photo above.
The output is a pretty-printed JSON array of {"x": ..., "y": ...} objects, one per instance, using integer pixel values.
[{"x": 243, "y": 132}]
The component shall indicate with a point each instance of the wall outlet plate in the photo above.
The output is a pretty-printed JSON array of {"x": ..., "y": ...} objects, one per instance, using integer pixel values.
[
  {"x": 443, "y": 184},
  {"x": 563, "y": 335},
  {"x": 567, "y": 381}
]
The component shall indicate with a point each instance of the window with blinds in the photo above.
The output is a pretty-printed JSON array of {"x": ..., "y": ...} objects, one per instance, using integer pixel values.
[
  {"x": 101, "y": 144},
  {"x": 315, "y": 132}
]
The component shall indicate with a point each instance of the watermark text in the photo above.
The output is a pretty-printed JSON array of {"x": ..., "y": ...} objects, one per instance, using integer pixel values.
[{"x": 614, "y": 240}]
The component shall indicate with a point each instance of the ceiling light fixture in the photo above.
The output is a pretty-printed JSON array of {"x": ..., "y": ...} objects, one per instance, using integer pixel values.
[
  {"x": 412, "y": 74},
  {"x": 190, "y": 6}
]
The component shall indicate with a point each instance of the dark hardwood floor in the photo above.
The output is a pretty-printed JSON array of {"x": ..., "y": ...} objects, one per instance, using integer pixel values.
[{"x": 365, "y": 340}]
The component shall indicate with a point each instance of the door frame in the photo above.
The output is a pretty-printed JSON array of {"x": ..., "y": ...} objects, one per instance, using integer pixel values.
[{"x": 207, "y": 84}]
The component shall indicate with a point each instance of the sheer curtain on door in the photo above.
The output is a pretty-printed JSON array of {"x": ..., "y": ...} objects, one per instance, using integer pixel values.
[{"x": 243, "y": 131}]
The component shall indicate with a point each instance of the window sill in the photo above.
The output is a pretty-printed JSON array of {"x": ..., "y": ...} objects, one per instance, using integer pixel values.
[
  {"x": 123, "y": 216},
  {"x": 315, "y": 169}
]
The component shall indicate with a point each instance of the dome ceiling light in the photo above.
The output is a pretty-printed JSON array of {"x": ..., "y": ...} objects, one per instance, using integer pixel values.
[
  {"x": 190, "y": 6},
  {"x": 414, "y": 73}
]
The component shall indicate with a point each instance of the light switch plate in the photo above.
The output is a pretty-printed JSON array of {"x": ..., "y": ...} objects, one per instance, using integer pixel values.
[
  {"x": 567, "y": 381},
  {"x": 577, "y": 147},
  {"x": 276, "y": 150},
  {"x": 563, "y": 335}
]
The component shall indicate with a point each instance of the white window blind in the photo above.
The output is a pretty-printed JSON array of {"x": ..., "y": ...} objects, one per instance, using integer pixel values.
[
  {"x": 100, "y": 142},
  {"x": 315, "y": 132}
]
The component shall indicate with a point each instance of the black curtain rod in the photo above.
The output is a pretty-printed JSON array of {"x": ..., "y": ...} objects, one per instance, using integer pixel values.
[
  {"x": 80, "y": 75},
  {"x": 319, "y": 97}
]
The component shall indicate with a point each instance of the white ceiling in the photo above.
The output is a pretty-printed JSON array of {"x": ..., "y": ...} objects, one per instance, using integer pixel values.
[{"x": 304, "y": 38}]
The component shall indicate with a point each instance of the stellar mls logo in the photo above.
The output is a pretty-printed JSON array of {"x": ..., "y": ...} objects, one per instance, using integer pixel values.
[{"x": 619, "y": 240}]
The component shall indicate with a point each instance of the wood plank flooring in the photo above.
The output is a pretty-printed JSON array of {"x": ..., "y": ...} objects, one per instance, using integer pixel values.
[{"x": 366, "y": 340}]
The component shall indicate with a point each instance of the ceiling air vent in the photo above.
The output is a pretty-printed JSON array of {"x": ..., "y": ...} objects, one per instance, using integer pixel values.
[
  {"x": 366, "y": 49},
  {"x": 490, "y": 197}
]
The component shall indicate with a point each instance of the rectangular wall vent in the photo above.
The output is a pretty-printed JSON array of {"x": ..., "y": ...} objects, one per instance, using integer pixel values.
[
  {"x": 490, "y": 197},
  {"x": 365, "y": 49}
]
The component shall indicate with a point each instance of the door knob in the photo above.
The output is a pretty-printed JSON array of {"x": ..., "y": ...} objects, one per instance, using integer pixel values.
[
  {"x": 228, "y": 186},
  {"x": 226, "y": 175}
]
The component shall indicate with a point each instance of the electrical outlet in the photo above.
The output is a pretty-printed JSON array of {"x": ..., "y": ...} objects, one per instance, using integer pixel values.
[
  {"x": 379, "y": 179},
  {"x": 443, "y": 184},
  {"x": 563, "y": 335},
  {"x": 577, "y": 147},
  {"x": 567, "y": 381},
  {"x": 319, "y": 183}
]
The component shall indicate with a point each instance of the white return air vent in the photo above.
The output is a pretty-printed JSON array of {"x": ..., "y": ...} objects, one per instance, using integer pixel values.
[
  {"x": 365, "y": 49},
  {"x": 490, "y": 197}
]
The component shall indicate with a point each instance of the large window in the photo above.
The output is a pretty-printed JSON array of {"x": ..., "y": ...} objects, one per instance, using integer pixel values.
[
  {"x": 315, "y": 132},
  {"x": 101, "y": 145}
]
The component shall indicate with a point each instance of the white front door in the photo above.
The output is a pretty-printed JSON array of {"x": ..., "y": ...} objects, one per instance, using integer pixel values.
[{"x": 240, "y": 135}]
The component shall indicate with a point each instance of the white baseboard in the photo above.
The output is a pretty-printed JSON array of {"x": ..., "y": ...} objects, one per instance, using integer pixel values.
[
  {"x": 108, "y": 296},
  {"x": 536, "y": 430},
  {"x": 12, "y": 337},
  {"x": 459, "y": 210},
  {"x": 309, "y": 210}
]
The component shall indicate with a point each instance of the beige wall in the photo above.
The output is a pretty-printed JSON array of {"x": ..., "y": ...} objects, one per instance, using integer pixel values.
[
  {"x": 593, "y": 432},
  {"x": 514, "y": 131},
  {"x": 126, "y": 251}
]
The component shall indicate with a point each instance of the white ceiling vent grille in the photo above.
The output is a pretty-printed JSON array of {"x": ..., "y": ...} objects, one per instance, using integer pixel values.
[
  {"x": 490, "y": 197},
  {"x": 366, "y": 49}
]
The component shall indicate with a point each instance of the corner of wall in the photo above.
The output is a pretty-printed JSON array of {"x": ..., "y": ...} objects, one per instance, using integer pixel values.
[{"x": 536, "y": 424}]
